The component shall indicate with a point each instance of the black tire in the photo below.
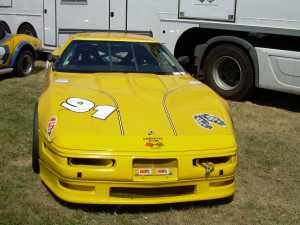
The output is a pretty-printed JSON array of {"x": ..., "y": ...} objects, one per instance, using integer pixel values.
[
  {"x": 229, "y": 71},
  {"x": 4, "y": 27},
  {"x": 27, "y": 29},
  {"x": 25, "y": 63},
  {"x": 35, "y": 142}
]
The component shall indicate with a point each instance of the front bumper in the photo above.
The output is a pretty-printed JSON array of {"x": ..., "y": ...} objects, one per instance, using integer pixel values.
[{"x": 120, "y": 185}]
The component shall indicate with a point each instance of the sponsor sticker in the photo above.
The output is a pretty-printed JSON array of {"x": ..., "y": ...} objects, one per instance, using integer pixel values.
[
  {"x": 153, "y": 142},
  {"x": 143, "y": 172},
  {"x": 163, "y": 171},
  {"x": 178, "y": 73},
  {"x": 51, "y": 124},
  {"x": 62, "y": 81},
  {"x": 214, "y": 119},
  {"x": 195, "y": 82},
  {"x": 153, "y": 172},
  {"x": 206, "y": 120}
]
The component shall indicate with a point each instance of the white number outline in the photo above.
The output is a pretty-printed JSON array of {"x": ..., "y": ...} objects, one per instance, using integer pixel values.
[
  {"x": 72, "y": 107},
  {"x": 102, "y": 111}
]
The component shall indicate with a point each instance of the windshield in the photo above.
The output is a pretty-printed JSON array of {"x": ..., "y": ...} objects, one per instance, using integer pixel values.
[{"x": 128, "y": 57}]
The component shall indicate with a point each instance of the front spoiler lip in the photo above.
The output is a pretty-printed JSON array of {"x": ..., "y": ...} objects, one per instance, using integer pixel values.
[
  {"x": 101, "y": 194},
  {"x": 52, "y": 174}
]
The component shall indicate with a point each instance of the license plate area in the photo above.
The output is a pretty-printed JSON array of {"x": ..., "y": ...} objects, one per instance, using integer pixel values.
[
  {"x": 155, "y": 169},
  {"x": 153, "y": 172}
]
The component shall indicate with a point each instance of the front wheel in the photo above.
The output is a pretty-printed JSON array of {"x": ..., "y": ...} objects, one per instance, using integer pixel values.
[
  {"x": 25, "y": 63},
  {"x": 228, "y": 70}
]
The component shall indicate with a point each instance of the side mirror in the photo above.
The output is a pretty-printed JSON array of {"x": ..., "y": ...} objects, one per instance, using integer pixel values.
[
  {"x": 184, "y": 61},
  {"x": 52, "y": 58}
]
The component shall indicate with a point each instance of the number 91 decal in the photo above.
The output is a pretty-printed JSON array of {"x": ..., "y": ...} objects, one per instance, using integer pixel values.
[{"x": 80, "y": 105}]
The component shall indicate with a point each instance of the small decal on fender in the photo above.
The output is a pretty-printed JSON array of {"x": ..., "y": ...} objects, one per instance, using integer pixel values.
[
  {"x": 51, "y": 124},
  {"x": 153, "y": 142},
  {"x": 195, "y": 82},
  {"x": 62, "y": 81},
  {"x": 205, "y": 120}
]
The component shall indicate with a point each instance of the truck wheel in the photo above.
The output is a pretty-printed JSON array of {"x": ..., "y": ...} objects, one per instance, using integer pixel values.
[
  {"x": 35, "y": 142},
  {"x": 228, "y": 70},
  {"x": 4, "y": 27},
  {"x": 25, "y": 63},
  {"x": 27, "y": 29}
]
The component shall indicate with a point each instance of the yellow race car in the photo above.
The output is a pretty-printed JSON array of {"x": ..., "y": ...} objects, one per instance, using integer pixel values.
[
  {"x": 17, "y": 53},
  {"x": 121, "y": 122}
]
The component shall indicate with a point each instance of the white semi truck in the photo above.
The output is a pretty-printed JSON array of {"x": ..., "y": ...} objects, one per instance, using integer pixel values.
[{"x": 236, "y": 45}]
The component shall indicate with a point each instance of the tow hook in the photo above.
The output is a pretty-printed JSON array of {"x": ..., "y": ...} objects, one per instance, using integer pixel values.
[{"x": 209, "y": 168}]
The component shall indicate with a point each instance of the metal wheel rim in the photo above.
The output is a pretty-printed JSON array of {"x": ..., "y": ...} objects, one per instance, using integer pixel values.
[
  {"x": 27, "y": 64},
  {"x": 227, "y": 80}
]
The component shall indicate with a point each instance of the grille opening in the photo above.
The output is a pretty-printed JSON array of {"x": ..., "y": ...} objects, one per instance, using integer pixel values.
[
  {"x": 151, "y": 192},
  {"x": 77, "y": 187},
  {"x": 91, "y": 162},
  {"x": 215, "y": 160},
  {"x": 221, "y": 172},
  {"x": 221, "y": 183},
  {"x": 157, "y": 163}
]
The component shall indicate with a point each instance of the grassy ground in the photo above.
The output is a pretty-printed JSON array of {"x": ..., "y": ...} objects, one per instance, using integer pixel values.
[{"x": 268, "y": 178}]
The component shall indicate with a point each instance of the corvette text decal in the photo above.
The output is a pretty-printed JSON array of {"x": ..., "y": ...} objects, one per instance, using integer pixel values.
[
  {"x": 80, "y": 105},
  {"x": 205, "y": 120}
]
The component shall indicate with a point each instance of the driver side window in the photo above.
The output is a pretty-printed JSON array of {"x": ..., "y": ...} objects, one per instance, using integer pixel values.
[{"x": 122, "y": 56}]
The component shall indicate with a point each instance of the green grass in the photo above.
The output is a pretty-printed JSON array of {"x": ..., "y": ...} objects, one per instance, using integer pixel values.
[{"x": 268, "y": 178}]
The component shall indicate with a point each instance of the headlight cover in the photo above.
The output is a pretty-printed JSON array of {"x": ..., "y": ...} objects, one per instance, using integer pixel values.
[{"x": 4, "y": 52}]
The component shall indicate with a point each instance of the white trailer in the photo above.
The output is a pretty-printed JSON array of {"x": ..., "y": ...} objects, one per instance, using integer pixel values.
[{"x": 236, "y": 45}]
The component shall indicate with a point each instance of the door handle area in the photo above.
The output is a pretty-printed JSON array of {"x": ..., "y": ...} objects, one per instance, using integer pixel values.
[
  {"x": 112, "y": 14},
  {"x": 45, "y": 11}
]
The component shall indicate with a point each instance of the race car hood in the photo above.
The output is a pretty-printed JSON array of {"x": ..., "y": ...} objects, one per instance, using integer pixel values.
[{"x": 173, "y": 112}]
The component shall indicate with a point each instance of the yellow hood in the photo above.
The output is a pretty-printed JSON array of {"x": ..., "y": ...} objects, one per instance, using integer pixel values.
[{"x": 148, "y": 105}]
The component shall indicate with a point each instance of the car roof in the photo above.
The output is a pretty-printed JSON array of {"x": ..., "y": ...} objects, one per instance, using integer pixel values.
[{"x": 113, "y": 36}]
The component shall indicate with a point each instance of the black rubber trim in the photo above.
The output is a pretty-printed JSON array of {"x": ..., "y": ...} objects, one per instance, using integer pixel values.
[{"x": 35, "y": 142}]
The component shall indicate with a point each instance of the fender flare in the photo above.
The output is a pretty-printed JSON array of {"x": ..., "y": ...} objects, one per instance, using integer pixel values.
[
  {"x": 201, "y": 50},
  {"x": 17, "y": 52}
]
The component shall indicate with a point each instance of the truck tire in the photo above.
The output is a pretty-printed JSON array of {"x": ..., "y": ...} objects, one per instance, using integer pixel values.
[
  {"x": 28, "y": 29},
  {"x": 25, "y": 63},
  {"x": 35, "y": 143},
  {"x": 4, "y": 27},
  {"x": 229, "y": 71}
]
